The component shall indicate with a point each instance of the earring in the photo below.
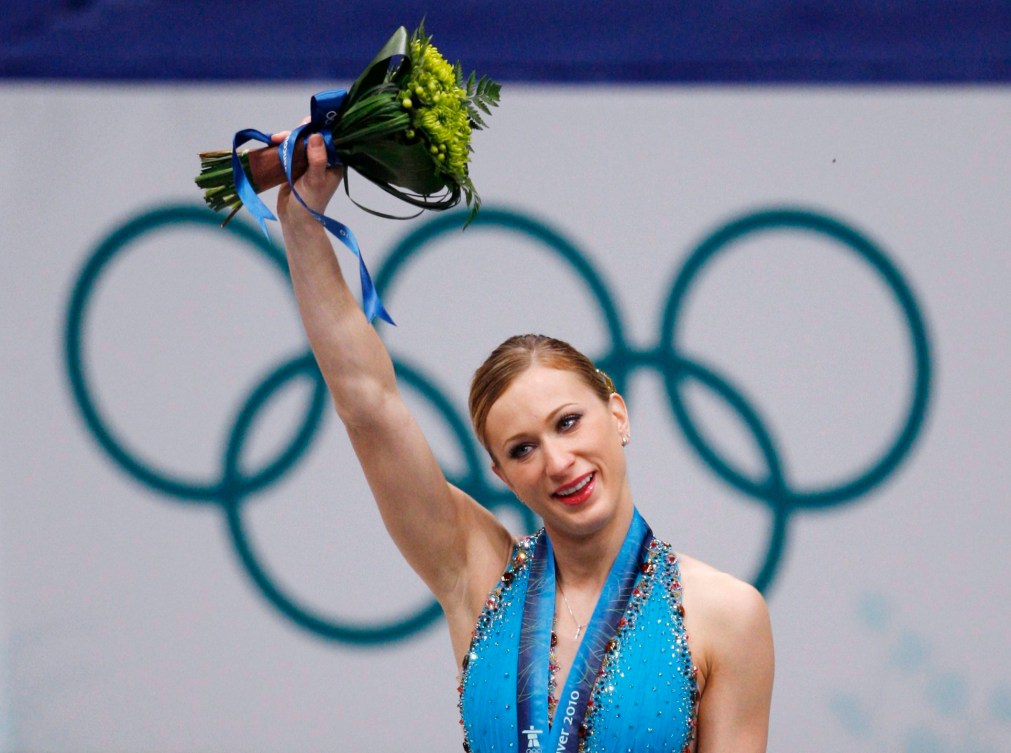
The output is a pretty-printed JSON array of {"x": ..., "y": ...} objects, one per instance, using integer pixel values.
[{"x": 625, "y": 438}]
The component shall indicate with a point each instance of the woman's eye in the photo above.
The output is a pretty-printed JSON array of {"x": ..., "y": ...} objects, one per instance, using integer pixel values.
[
  {"x": 519, "y": 451},
  {"x": 569, "y": 421}
]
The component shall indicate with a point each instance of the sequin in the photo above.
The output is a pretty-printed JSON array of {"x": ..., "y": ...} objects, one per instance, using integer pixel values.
[{"x": 647, "y": 668}]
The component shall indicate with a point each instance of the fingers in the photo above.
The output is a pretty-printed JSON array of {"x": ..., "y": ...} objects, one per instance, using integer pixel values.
[
  {"x": 316, "y": 151},
  {"x": 318, "y": 183},
  {"x": 280, "y": 136}
]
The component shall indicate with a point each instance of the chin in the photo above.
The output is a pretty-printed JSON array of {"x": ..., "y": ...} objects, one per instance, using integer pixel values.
[{"x": 585, "y": 519}]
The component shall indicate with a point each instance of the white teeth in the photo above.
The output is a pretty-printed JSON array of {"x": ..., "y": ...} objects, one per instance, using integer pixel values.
[{"x": 576, "y": 488}]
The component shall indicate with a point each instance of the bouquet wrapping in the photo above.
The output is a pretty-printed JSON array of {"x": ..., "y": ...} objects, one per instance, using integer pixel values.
[{"x": 405, "y": 125}]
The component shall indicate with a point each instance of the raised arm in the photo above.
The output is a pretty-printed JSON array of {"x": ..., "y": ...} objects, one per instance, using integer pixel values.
[{"x": 455, "y": 545}]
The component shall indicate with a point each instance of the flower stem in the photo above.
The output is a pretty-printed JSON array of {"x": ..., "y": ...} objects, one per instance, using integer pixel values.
[{"x": 262, "y": 166}]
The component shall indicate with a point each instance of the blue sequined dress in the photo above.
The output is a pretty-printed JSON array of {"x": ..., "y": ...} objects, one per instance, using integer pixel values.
[{"x": 645, "y": 695}]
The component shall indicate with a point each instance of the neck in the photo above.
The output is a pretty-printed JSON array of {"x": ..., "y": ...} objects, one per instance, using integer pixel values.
[{"x": 585, "y": 562}]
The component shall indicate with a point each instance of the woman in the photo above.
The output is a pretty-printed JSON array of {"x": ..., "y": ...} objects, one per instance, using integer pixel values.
[{"x": 573, "y": 639}]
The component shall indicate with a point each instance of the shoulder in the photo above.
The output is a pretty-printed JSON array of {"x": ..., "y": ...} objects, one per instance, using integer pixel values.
[
  {"x": 719, "y": 595},
  {"x": 730, "y": 638},
  {"x": 727, "y": 619}
]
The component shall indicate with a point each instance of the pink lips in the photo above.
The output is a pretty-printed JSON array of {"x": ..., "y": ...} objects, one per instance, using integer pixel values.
[{"x": 582, "y": 495}]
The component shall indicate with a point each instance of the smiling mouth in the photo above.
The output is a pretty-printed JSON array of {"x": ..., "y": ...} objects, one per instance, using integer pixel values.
[{"x": 578, "y": 492}]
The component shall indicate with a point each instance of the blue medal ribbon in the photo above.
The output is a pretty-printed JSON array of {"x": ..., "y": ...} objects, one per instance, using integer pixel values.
[
  {"x": 535, "y": 643},
  {"x": 324, "y": 109}
]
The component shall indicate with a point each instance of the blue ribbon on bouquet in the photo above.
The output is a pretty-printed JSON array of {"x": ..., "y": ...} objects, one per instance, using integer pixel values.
[{"x": 324, "y": 109}]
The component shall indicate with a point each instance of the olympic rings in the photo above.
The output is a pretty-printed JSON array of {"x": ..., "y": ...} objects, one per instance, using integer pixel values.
[
  {"x": 234, "y": 487},
  {"x": 774, "y": 490}
]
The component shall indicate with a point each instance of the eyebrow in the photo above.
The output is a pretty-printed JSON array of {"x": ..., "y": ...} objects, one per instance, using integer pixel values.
[{"x": 551, "y": 417}]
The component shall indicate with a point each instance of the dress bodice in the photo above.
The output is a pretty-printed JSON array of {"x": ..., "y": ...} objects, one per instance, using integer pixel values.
[{"x": 645, "y": 694}]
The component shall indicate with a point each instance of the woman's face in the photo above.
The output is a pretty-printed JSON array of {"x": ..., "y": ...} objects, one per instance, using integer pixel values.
[{"x": 557, "y": 446}]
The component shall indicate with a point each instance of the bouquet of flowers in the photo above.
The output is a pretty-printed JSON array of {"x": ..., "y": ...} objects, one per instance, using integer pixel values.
[{"x": 405, "y": 125}]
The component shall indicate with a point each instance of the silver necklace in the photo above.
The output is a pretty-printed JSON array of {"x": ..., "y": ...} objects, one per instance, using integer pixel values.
[{"x": 579, "y": 627}]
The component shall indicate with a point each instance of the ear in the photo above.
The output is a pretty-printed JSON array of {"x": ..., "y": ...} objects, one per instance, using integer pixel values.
[
  {"x": 619, "y": 412},
  {"x": 501, "y": 476}
]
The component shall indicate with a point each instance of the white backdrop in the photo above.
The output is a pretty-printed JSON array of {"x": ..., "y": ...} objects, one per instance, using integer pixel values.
[{"x": 128, "y": 622}]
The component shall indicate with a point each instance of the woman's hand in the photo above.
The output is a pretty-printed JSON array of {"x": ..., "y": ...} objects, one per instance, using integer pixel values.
[{"x": 316, "y": 186}]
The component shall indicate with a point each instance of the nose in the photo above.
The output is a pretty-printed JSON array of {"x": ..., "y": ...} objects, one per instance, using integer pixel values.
[{"x": 557, "y": 459}]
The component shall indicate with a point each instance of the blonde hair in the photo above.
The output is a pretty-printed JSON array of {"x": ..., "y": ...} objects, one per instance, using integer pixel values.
[{"x": 516, "y": 355}]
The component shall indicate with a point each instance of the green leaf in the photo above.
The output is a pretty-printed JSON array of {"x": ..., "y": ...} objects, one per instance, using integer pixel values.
[
  {"x": 374, "y": 130},
  {"x": 476, "y": 122},
  {"x": 385, "y": 96},
  {"x": 375, "y": 72},
  {"x": 409, "y": 166}
]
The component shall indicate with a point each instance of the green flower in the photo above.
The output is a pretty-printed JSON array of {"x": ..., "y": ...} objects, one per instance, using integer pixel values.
[{"x": 444, "y": 110}]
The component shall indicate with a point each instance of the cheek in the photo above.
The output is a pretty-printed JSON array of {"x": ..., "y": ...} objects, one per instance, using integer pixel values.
[{"x": 520, "y": 482}]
